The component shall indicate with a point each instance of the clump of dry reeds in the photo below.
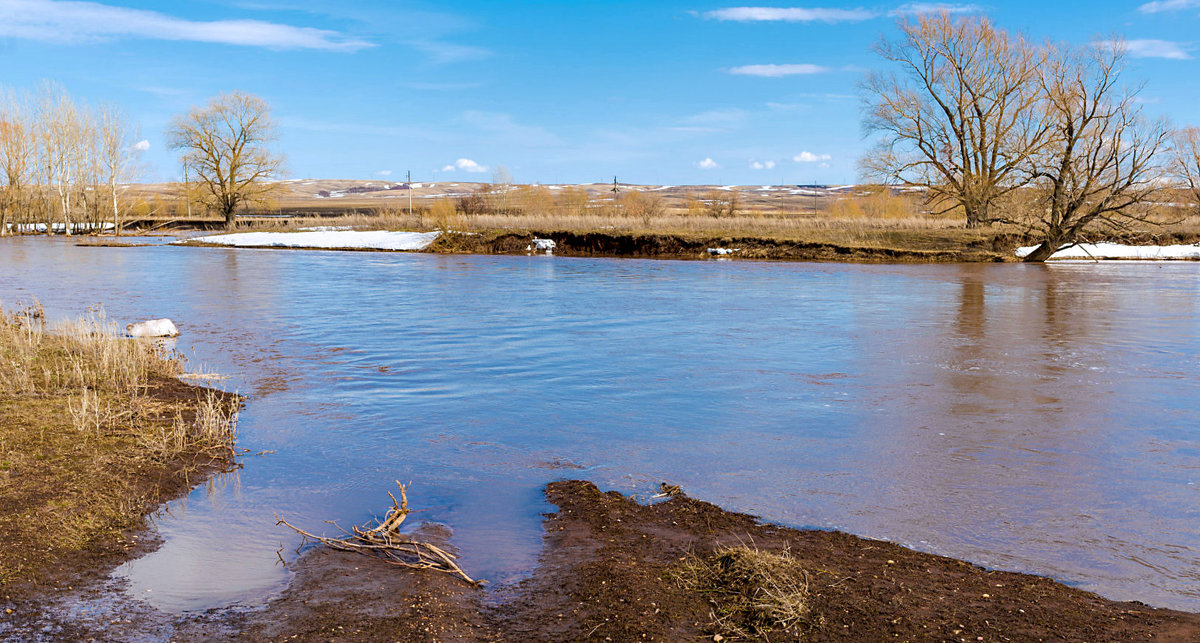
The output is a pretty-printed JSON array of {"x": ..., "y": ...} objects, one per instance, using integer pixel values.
[
  {"x": 753, "y": 591},
  {"x": 86, "y": 353},
  {"x": 105, "y": 379}
]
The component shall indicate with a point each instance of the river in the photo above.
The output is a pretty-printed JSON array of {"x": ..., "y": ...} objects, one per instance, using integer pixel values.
[{"x": 1031, "y": 418}]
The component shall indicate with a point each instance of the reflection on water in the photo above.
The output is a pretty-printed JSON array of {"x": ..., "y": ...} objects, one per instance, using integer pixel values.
[{"x": 1032, "y": 418}]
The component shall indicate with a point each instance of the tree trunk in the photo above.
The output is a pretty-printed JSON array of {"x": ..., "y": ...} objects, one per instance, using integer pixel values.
[
  {"x": 230, "y": 218},
  {"x": 976, "y": 215},
  {"x": 116, "y": 209},
  {"x": 1043, "y": 252}
]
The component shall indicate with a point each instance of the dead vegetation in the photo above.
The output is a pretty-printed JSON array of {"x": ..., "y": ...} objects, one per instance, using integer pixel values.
[
  {"x": 387, "y": 542},
  {"x": 752, "y": 592},
  {"x": 95, "y": 430}
]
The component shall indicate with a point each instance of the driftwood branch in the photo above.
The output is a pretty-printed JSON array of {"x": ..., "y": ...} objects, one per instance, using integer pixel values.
[{"x": 385, "y": 541}]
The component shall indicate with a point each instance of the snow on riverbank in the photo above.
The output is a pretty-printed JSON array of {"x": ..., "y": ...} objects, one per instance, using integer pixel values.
[
  {"x": 1119, "y": 251},
  {"x": 327, "y": 239}
]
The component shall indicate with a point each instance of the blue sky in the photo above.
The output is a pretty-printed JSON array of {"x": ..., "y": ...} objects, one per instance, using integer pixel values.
[{"x": 651, "y": 91}]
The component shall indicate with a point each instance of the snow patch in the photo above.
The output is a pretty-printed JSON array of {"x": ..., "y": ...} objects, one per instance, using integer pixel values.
[
  {"x": 1120, "y": 251},
  {"x": 542, "y": 245},
  {"x": 722, "y": 251},
  {"x": 326, "y": 239},
  {"x": 59, "y": 227}
]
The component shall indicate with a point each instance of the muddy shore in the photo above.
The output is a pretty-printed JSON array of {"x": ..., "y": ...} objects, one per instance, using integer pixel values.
[
  {"x": 613, "y": 569},
  {"x": 667, "y": 246}
]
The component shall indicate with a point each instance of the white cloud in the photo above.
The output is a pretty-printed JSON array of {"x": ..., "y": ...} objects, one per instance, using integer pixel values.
[
  {"x": 1150, "y": 48},
  {"x": 775, "y": 71},
  {"x": 708, "y": 164},
  {"x": 72, "y": 22},
  {"x": 762, "y": 165},
  {"x": 809, "y": 157},
  {"x": 918, "y": 8},
  {"x": 383, "y": 173},
  {"x": 790, "y": 14},
  {"x": 466, "y": 165},
  {"x": 1169, "y": 5},
  {"x": 141, "y": 146}
]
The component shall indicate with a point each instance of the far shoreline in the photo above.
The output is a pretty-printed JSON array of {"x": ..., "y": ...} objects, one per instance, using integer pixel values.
[{"x": 685, "y": 247}]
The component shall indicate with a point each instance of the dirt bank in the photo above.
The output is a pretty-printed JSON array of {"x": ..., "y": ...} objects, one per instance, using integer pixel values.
[
  {"x": 679, "y": 570},
  {"x": 665, "y": 246}
]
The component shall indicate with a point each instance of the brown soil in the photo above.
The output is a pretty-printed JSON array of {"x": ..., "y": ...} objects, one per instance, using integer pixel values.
[
  {"x": 612, "y": 570},
  {"x": 663, "y": 246}
]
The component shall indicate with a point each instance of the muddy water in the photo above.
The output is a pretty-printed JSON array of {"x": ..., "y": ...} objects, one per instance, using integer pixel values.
[{"x": 1040, "y": 419}]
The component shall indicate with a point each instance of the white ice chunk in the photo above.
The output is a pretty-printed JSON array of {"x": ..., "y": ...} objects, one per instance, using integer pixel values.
[{"x": 152, "y": 328}]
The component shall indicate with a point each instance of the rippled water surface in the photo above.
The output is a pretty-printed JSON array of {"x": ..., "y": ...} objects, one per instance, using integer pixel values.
[{"x": 1034, "y": 418}]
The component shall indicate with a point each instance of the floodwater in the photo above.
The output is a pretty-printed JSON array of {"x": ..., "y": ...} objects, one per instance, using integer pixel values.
[{"x": 1031, "y": 418}]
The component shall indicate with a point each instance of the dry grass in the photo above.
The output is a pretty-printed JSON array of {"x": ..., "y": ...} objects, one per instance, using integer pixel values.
[
  {"x": 84, "y": 354},
  {"x": 916, "y": 231},
  {"x": 93, "y": 428},
  {"x": 754, "y": 592}
]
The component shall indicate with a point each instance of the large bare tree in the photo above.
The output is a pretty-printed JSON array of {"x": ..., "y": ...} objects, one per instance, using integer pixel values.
[
  {"x": 227, "y": 146},
  {"x": 1186, "y": 161},
  {"x": 957, "y": 118},
  {"x": 1102, "y": 166}
]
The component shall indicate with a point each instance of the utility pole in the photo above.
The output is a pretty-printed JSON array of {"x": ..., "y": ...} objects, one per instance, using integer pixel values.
[
  {"x": 410, "y": 189},
  {"x": 187, "y": 190}
]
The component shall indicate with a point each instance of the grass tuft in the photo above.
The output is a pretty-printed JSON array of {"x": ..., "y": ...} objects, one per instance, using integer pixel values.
[{"x": 753, "y": 592}]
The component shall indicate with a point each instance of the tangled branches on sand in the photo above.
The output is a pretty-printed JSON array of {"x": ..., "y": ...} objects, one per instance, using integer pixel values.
[{"x": 386, "y": 542}]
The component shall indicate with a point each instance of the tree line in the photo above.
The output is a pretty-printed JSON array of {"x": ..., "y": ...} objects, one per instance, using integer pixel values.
[
  {"x": 65, "y": 165},
  {"x": 1043, "y": 136},
  {"x": 63, "y": 162}
]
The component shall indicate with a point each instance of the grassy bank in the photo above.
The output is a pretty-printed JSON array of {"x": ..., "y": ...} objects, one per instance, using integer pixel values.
[
  {"x": 95, "y": 432},
  {"x": 837, "y": 223}
]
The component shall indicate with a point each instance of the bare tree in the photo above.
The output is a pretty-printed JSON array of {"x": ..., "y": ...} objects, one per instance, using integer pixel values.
[
  {"x": 1186, "y": 161},
  {"x": 118, "y": 156},
  {"x": 226, "y": 146},
  {"x": 958, "y": 118},
  {"x": 1101, "y": 166},
  {"x": 60, "y": 133},
  {"x": 16, "y": 158}
]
